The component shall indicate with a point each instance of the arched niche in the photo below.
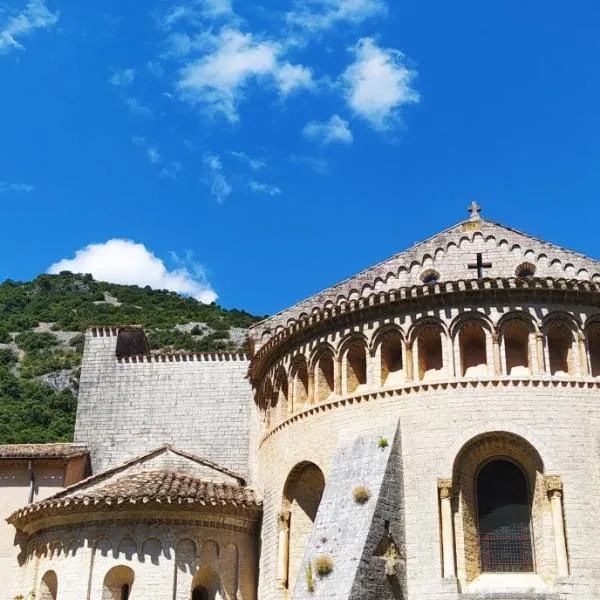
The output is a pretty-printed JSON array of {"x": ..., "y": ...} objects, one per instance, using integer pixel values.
[
  {"x": 48, "y": 589},
  {"x": 324, "y": 374},
  {"x": 516, "y": 342},
  {"x": 472, "y": 343},
  {"x": 206, "y": 584},
  {"x": 118, "y": 583},
  {"x": 391, "y": 351},
  {"x": 592, "y": 335},
  {"x": 560, "y": 347},
  {"x": 430, "y": 352},
  {"x": 354, "y": 365},
  {"x": 302, "y": 495},
  {"x": 299, "y": 383}
]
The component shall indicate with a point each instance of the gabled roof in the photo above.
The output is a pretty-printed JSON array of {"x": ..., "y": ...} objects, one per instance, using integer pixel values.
[
  {"x": 47, "y": 451},
  {"x": 140, "y": 481},
  {"x": 450, "y": 255}
]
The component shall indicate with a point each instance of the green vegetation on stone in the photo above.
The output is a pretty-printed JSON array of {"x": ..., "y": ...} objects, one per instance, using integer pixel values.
[{"x": 30, "y": 410}]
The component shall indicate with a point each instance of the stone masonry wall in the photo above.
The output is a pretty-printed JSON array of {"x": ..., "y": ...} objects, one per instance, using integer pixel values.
[{"x": 198, "y": 403}]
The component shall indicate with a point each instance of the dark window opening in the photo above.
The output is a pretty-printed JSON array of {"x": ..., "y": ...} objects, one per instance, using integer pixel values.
[
  {"x": 199, "y": 593},
  {"x": 504, "y": 514},
  {"x": 125, "y": 591}
]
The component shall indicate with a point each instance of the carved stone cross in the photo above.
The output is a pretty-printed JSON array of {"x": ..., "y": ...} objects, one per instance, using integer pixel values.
[
  {"x": 474, "y": 209},
  {"x": 480, "y": 265}
]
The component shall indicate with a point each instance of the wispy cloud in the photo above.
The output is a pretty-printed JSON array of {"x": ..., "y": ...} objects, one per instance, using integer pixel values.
[
  {"x": 137, "y": 108},
  {"x": 333, "y": 130},
  {"x": 16, "y": 188},
  {"x": 320, "y": 15},
  {"x": 316, "y": 163},
  {"x": 127, "y": 262},
  {"x": 254, "y": 163},
  {"x": 171, "y": 170},
  {"x": 197, "y": 12},
  {"x": 34, "y": 16},
  {"x": 220, "y": 189},
  {"x": 168, "y": 169},
  {"x": 378, "y": 84},
  {"x": 218, "y": 80},
  {"x": 154, "y": 155},
  {"x": 122, "y": 77},
  {"x": 264, "y": 188}
]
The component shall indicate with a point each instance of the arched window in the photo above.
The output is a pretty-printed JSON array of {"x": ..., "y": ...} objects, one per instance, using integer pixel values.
[
  {"x": 516, "y": 348},
  {"x": 472, "y": 350},
  {"x": 355, "y": 361},
  {"x": 299, "y": 384},
  {"x": 117, "y": 583},
  {"x": 560, "y": 346},
  {"x": 48, "y": 586},
  {"x": 593, "y": 343},
  {"x": 431, "y": 362},
  {"x": 199, "y": 593},
  {"x": 392, "y": 365},
  {"x": 504, "y": 514},
  {"x": 324, "y": 376}
]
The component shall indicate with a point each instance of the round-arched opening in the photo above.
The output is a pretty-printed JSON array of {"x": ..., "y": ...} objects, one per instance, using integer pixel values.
[
  {"x": 504, "y": 516},
  {"x": 525, "y": 270},
  {"x": 430, "y": 276},
  {"x": 199, "y": 593},
  {"x": 324, "y": 382},
  {"x": 281, "y": 391},
  {"x": 593, "y": 344},
  {"x": 299, "y": 384},
  {"x": 48, "y": 586},
  {"x": 560, "y": 343},
  {"x": 302, "y": 495},
  {"x": 355, "y": 360},
  {"x": 392, "y": 362},
  {"x": 473, "y": 350},
  {"x": 429, "y": 348},
  {"x": 516, "y": 348},
  {"x": 118, "y": 583}
]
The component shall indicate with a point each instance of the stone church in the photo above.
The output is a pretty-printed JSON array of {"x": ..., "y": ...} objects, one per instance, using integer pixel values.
[{"x": 428, "y": 429}]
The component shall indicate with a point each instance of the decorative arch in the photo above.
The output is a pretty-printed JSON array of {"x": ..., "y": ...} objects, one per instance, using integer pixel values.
[
  {"x": 560, "y": 344},
  {"x": 299, "y": 382},
  {"x": 429, "y": 338},
  {"x": 482, "y": 513},
  {"x": 474, "y": 347},
  {"x": 302, "y": 493},
  {"x": 388, "y": 344},
  {"x": 353, "y": 354},
  {"x": 118, "y": 583},
  {"x": 517, "y": 336},
  {"x": 48, "y": 589},
  {"x": 323, "y": 372}
]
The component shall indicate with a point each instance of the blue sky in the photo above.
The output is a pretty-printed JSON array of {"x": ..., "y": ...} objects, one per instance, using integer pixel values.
[{"x": 259, "y": 152}]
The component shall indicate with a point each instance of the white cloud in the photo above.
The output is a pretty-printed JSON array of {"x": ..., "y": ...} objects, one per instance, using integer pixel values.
[
  {"x": 122, "y": 77},
  {"x": 196, "y": 12},
  {"x": 316, "y": 163},
  {"x": 264, "y": 188},
  {"x": 333, "y": 130},
  {"x": 34, "y": 16},
  {"x": 320, "y": 15},
  {"x": 137, "y": 107},
  {"x": 171, "y": 171},
  {"x": 378, "y": 83},
  {"x": 17, "y": 188},
  {"x": 220, "y": 189},
  {"x": 154, "y": 155},
  {"x": 126, "y": 262},
  {"x": 232, "y": 59},
  {"x": 254, "y": 163}
]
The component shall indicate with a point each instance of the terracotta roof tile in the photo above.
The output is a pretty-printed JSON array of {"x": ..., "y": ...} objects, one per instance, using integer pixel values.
[{"x": 26, "y": 451}]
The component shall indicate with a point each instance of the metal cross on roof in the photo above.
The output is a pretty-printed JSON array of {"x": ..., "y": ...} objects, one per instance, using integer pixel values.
[{"x": 475, "y": 209}]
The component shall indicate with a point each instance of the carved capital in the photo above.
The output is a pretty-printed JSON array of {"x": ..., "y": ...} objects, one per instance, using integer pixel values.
[
  {"x": 445, "y": 488},
  {"x": 554, "y": 485},
  {"x": 284, "y": 520},
  {"x": 495, "y": 337}
]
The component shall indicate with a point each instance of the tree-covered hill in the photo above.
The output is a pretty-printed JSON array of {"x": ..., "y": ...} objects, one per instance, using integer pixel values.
[{"x": 41, "y": 340}]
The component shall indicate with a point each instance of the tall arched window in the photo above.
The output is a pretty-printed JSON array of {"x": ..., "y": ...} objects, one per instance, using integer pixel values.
[
  {"x": 504, "y": 513},
  {"x": 199, "y": 593},
  {"x": 392, "y": 366},
  {"x": 472, "y": 350},
  {"x": 430, "y": 353}
]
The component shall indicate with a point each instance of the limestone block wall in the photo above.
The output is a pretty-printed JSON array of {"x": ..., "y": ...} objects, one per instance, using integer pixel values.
[
  {"x": 560, "y": 419},
  {"x": 198, "y": 403},
  {"x": 158, "y": 561}
]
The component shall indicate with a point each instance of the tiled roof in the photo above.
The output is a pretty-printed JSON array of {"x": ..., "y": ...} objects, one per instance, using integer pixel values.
[
  {"x": 26, "y": 451},
  {"x": 146, "y": 488}
]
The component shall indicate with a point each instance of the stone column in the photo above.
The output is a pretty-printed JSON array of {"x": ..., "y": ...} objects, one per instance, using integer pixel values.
[
  {"x": 554, "y": 488},
  {"x": 583, "y": 355},
  {"x": 337, "y": 376},
  {"x": 283, "y": 551},
  {"x": 445, "y": 488},
  {"x": 542, "y": 353},
  {"x": 410, "y": 373},
  {"x": 310, "y": 396},
  {"x": 496, "y": 369}
]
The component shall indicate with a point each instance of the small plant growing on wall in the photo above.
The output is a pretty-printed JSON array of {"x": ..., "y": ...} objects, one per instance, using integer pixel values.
[
  {"x": 361, "y": 494},
  {"x": 391, "y": 560},
  {"x": 310, "y": 582},
  {"x": 323, "y": 566},
  {"x": 383, "y": 443}
]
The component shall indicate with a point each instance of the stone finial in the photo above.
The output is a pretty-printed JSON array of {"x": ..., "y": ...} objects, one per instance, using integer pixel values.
[{"x": 475, "y": 210}]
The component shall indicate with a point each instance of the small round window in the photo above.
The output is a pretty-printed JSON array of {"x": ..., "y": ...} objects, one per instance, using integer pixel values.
[
  {"x": 525, "y": 271},
  {"x": 430, "y": 277}
]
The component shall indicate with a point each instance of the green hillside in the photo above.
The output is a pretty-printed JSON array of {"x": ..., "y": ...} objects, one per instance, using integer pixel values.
[{"x": 41, "y": 341}]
